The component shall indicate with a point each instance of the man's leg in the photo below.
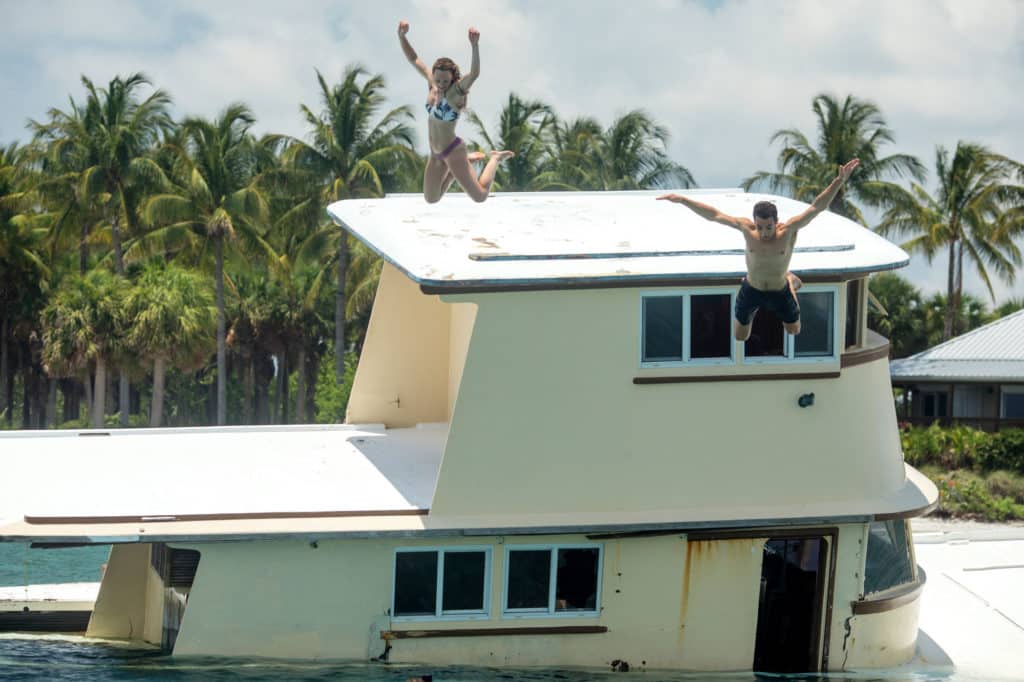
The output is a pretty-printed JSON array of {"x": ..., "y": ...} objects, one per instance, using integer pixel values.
[
  {"x": 742, "y": 331},
  {"x": 794, "y": 286}
]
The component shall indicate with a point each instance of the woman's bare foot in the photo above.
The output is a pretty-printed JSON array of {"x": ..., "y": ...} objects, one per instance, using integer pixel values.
[
  {"x": 501, "y": 155},
  {"x": 476, "y": 156}
]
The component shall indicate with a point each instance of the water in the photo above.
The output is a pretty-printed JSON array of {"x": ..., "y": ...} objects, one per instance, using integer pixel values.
[{"x": 68, "y": 657}]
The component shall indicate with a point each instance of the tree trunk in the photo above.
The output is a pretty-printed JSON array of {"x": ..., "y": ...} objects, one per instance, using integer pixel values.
[
  {"x": 88, "y": 396},
  {"x": 124, "y": 397},
  {"x": 339, "y": 310},
  {"x": 99, "y": 397},
  {"x": 300, "y": 386},
  {"x": 26, "y": 397},
  {"x": 222, "y": 359},
  {"x": 83, "y": 249},
  {"x": 51, "y": 403},
  {"x": 249, "y": 383},
  {"x": 281, "y": 399},
  {"x": 156, "y": 408},
  {"x": 5, "y": 401},
  {"x": 957, "y": 322},
  {"x": 947, "y": 322}
]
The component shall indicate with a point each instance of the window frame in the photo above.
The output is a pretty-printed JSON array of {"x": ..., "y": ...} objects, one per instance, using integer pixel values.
[
  {"x": 439, "y": 613},
  {"x": 687, "y": 347},
  {"x": 1004, "y": 390},
  {"x": 789, "y": 342},
  {"x": 551, "y": 612}
]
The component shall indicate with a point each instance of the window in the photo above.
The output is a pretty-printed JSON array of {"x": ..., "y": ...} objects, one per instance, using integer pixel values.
[
  {"x": 431, "y": 583},
  {"x": 889, "y": 561},
  {"x": 687, "y": 328},
  {"x": 1013, "y": 402},
  {"x": 935, "y": 404},
  {"x": 553, "y": 581},
  {"x": 816, "y": 341},
  {"x": 853, "y": 300}
]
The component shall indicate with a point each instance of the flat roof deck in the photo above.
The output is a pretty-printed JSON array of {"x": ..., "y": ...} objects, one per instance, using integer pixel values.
[
  {"x": 218, "y": 473},
  {"x": 545, "y": 238}
]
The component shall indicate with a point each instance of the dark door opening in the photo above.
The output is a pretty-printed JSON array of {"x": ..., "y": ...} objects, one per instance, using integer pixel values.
[{"x": 790, "y": 605}]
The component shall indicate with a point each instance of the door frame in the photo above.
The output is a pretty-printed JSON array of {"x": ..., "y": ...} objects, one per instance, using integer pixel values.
[{"x": 824, "y": 594}]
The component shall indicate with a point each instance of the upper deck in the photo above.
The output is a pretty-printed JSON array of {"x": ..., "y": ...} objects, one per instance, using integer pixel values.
[{"x": 581, "y": 239}]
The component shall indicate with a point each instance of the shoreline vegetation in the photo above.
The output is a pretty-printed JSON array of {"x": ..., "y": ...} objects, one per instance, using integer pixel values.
[{"x": 980, "y": 475}]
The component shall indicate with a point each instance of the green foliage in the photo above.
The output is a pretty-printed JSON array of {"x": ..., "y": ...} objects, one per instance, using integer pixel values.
[
  {"x": 963, "y": 493},
  {"x": 1006, "y": 484},
  {"x": 951, "y": 448},
  {"x": 1003, "y": 450},
  {"x": 331, "y": 399}
]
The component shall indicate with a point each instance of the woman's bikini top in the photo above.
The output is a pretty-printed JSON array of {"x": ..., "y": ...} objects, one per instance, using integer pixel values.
[{"x": 443, "y": 111}]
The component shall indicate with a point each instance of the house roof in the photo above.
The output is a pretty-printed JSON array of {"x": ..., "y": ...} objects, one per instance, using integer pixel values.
[
  {"x": 993, "y": 352},
  {"x": 582, "y": 238}
]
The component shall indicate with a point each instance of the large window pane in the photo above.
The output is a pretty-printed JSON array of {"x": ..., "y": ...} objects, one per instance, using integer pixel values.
[
  {"x": 529, "y": 579},
  {"x": 663, "y": 328},
  {"x": 766, "y": 336},
  {"x": 1013, "y": 405},
  {"x": 415, "y": 583},
  {"x": 888, "y": 560},
  {"x": 816, "y": 325},
  {"x": 710, "y": 326},
  {"x": 463, "y": 581},
  {"x": 576, "y": 586}
]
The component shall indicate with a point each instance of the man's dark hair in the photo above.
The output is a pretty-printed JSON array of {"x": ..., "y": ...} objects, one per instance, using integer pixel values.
[{"x": 765, "y": 209}]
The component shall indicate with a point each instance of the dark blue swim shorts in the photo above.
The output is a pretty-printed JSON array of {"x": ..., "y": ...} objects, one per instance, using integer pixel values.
[{"x": 781, "y": 302}]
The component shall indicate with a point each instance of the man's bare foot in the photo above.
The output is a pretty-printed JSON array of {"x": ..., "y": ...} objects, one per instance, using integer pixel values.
[
  {"x": 476, "y": 156},
  {"x": 503, "y": 154},
  {"x": 794, "y": 282}
]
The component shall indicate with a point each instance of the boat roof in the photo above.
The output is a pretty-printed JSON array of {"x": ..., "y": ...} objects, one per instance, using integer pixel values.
[
  {"x": 237, "y": 483},
  {"x": 532, "y": 239}
]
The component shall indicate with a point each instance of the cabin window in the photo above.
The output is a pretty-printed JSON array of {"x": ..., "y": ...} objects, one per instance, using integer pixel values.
[
  {"x": 890, "y": 559},
  {"x": 853, "y": 301},
  {"x": 816, "y": 341},
  {"x": 687, "y": 328},
  {"x": 553, "y": 580},
  {"x": 435, "y": 583},
  {"x": 1013, "y": 402}
]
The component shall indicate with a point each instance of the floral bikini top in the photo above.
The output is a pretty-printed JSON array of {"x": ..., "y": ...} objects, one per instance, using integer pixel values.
[{"x": 443, "y": 111}]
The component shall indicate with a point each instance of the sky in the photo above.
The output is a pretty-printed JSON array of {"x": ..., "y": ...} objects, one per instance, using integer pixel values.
[{"x": 721, "y": 75}]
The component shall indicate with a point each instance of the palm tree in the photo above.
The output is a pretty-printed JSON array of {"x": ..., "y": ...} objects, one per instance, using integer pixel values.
[
  {"x": 853, "y": 128},
  {"x": 976, "y": 213},
  {"x": 522, "y": 126},
  {"x": 573, "y": 147},
  {"x": 82, "y": 325},
  {"x": 23, "y": 270},
  {"x": 216, "y": 201},
  {"x": 632, "y": 155},
  {"x": 171, "y": 313},
  {"x": 109, "y": 139},
  {"x": 347, "y": 156}
]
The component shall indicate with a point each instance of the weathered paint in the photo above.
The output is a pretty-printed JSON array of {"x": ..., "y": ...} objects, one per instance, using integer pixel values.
[{"x": 883, "y": 640}]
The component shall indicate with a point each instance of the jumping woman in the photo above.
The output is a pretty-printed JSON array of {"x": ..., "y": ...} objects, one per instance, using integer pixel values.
[{"x": 446, "y": 99}]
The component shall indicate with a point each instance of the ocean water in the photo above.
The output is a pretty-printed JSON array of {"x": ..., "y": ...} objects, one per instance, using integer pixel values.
[{"x": 73, "y": 658}]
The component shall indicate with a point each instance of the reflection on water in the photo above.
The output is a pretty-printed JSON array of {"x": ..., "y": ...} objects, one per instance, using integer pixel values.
[{"x": 65, "y": 658}]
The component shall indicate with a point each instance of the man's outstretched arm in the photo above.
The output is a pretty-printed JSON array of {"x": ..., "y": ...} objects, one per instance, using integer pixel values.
[
  {"x": 704, "y": 211},
  {"x": 824, "y": 200}
]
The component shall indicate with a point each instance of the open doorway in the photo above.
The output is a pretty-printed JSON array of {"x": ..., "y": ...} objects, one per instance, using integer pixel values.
[{"x": 790, "y": 605}]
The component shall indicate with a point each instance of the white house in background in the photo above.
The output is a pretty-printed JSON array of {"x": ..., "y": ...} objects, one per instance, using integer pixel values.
[
  {"x": 555, "y": 455},
  {"x": 976, "y": 379}
]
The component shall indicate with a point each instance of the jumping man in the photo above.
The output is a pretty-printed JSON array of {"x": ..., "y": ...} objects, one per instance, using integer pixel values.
[{"x": 769, "y": 249}]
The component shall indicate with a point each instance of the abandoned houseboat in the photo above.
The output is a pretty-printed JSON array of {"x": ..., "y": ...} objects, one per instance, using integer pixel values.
[{"x": 555, "y": 454}]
